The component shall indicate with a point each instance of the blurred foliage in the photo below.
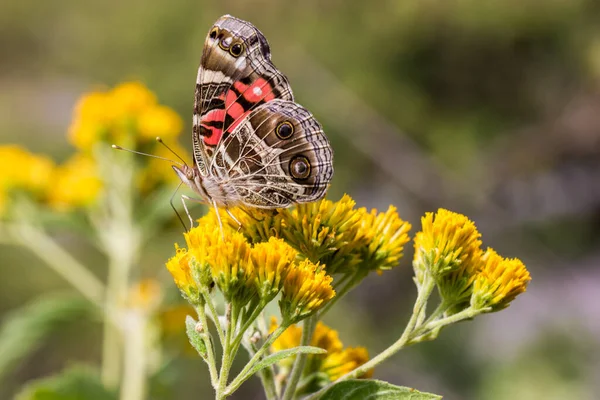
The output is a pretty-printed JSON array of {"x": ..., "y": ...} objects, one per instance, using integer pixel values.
[{"x": 76, "y": 383}]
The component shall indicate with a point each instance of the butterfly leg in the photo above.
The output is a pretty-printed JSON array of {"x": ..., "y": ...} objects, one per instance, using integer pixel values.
[
  {"x": 214, "y": 203},
  {"x": 234, "y": 218},
  {"x": 183, "y": 199}
]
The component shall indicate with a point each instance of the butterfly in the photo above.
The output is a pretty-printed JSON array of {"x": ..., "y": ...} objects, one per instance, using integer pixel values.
[{"x": 253, "y": 145}]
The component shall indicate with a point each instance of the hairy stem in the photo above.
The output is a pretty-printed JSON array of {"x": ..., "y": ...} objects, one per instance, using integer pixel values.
[
  {"x": 210, "y": 351},
  {"x": 307, "y": 332},
  {"x": 404, "y": 339},
  {"x": 244, "y": 374}
]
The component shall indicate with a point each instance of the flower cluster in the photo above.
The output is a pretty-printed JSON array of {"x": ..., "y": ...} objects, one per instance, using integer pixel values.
[
  {"x": 448, "y": 251},
  {"x": 128, "y": 115},
  {"x": 296, "y": 253},
  {"x": 248, "y": 274},
  {"x": 23, "y": 172},
  {"x": 346, "y": 240},
  {"x": 320, "y": 369}
]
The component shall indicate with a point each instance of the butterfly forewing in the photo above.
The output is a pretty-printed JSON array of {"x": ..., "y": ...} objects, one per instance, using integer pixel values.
[{"x": 235, "y": 75}]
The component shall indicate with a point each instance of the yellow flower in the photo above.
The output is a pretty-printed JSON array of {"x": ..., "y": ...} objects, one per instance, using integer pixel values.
[
  {"x": 159, "y": 121},
  {"x": 499, "y": 281},
  {"x": 325, "y": 231},
  {"x": 386, "y": 235},
  {"x": 340, "y": 363},
  {"x": 306, "y": 288},
  {"x": 271, "y": 262},
  {"x": 448, "y": 242},
  {"x": 199, "y": 241},
  {"x": 180, "y": 268},
  {"x": 75, "y": 183},
  {"x": 23, "y": 171},
  {"x": 335, "y": 363},
  {"x": 258, "y": 225},
  {"x": 229, "y": 261}
]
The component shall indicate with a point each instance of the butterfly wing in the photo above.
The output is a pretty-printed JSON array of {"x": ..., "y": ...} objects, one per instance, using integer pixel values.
[
  {"x": 235, "y": 76},
  {"x": 275, "y": 157}
]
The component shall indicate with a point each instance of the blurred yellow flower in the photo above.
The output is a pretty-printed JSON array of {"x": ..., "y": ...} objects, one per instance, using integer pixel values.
[
  {"x": 22, "y": 170},
  {"x": 271, "y": 262},
  {"x": 75, "y": 183},
  {"x": 306, "y": 288},
  {"x": 132, "y": 98},
  {"x": 499, "y": 281},
  {"x": 127, "y": 115},
  {"x": 180, "y": 268},
  {"x": 159, "y": 121},
  {"x": 340, "y": 363},
  {"x": 335, "y": 363},
  {"x": 145, "y": 295},
  {"x": 448, "y": 242},
  {"x": 386, "y": 235},
  {"x": 325, "y": 231}
]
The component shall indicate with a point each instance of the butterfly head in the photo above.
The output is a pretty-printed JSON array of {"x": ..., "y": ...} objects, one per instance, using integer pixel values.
[{"x": 192, "y": 178}]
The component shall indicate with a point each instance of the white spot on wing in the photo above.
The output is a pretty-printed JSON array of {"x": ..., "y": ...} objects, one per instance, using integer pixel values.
[
  {"x": 214, "y": 77},
  {"x": 257, "y": 91}
]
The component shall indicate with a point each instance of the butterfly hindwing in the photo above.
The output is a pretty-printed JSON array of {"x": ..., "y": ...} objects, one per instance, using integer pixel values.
[
  {"x": 275, "y": 157},
  {"x": 235, "y": 76}
]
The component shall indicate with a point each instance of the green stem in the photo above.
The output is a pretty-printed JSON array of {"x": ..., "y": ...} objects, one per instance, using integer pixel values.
[
  {"x": 307, "y": 333},
  {"x": 214, "y": 315},
  {"x": 121, "y": 242},
  {"x": 135, "y": 361},
  {"x": 440, "y": 310},
  {"x": 240, "y": 336},
  {"x": 227, "y": 359},
  {"x": 420, "y": 303},
  {"x": 266, "y": 375},
  {"x": 210, "y": 351},
  {"x": 440, "y": 323},
  {"x": 244, "y": 374}
]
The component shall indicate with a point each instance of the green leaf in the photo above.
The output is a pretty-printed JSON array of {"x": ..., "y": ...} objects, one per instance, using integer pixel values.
[
  {"x": 196, "y": 338},
  {"x": 23, "y": 330},
  {"x": 76, "y": 383},
  {"x": 280, "y": 355},
  {"x": 368, "y": 389}
]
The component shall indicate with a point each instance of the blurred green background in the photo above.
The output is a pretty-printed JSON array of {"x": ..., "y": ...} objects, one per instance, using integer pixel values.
[{"x": 486, "y": 107}]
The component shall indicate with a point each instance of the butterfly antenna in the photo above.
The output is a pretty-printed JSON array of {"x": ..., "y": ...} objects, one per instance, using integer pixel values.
[
  {"x": 159, "y": 140},
  {"x": 185, "y": 229},
  {"x": 114, "y": 146}
]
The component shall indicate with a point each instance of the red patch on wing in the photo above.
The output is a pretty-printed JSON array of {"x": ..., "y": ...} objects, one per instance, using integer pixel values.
[
  {"x": 215, "y": 133},
  {"x": 217, "y": 114},
  {"x": 259, "y": 90},
  {"x": 234, "y": 109}
]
